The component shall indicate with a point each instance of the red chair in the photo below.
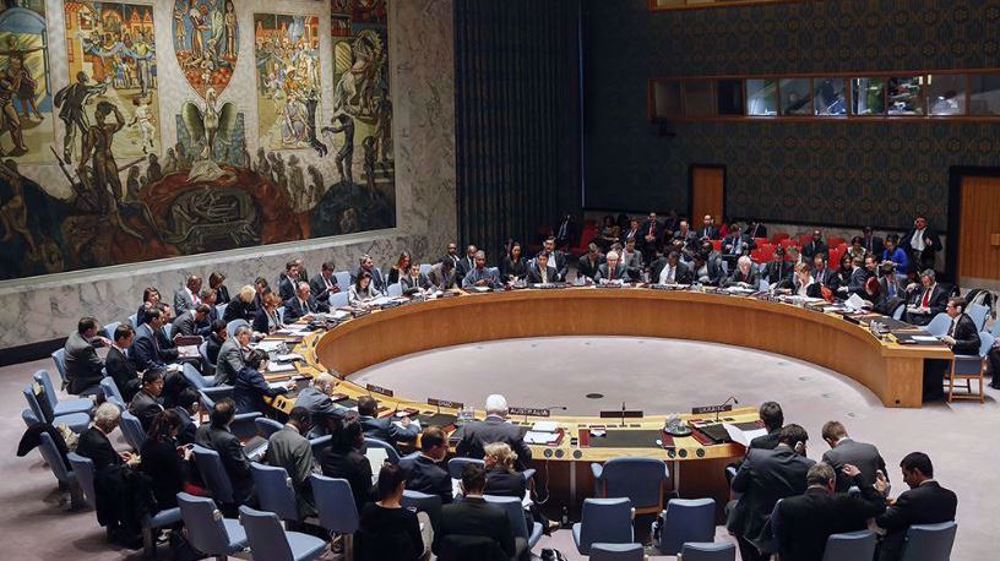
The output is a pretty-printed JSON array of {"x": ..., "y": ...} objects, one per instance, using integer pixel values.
[
  {"x": 756, "y": 255},
  {"x": 760, "y": 241},
  {"x": 834, "y": 257},
  {"x": 805, "y": 239},
  {"x": 766, "y": 252},
  {"x": 834, "y": 241},
  {"x": 778, "y": 236},
  {"x": 717, "y": 245},
  {"x": 587, "y": 236},
  {"x": 785, "y": 243}
]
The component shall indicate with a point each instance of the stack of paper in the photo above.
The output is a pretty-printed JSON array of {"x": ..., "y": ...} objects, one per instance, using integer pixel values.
[
  {"x": 273, "y": 367},
  {"x": 741, "y": 436},
  {"x": 289, "y": 357},
  {"x": 268, "y": 346},
  {"x": 532, "y": 437}
]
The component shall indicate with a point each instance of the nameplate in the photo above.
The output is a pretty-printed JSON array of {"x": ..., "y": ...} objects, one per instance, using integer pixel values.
[
  {"x": 379, "y": 389},
  {"x": 711, "y": 409},
  {"x": 619, "y": 414},
  {"x": 444, "y": 403},
  {"x": 529, "y": 411}
]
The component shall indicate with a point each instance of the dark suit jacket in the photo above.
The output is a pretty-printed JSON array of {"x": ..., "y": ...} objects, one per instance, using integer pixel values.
[
  {"x": 586, "y": 268},
  {"x": 95, "y": 445},
  {"x": 534, "y": 275},
  {"x": 378, "y": 280},
  {"x": 425, "y": 476},
  {"x": 261, "y": 324},
  {"x": 729, "y": 245},
  {"x": 235, "y": 462},
  {"x": 682, "y": 275},
  {"x": 859, "y": 454},
  {"x": 475, "y": 517},
  {"x": 410, "y": 284},
  {"x": 929, "y": 251},
  {"x": 711, "y": 233},
  {"x": 83, "y": 366},
  {"x": 465, "y": 264},
  {"x": 294, "y": 309},
  {"x": 938, "y": 300},
  {"x": 250, "y": 389},
  {"x": 475, "y": 435},
  {"x": 768, "y": 441},
  {"x": 776, "y": 272},
  {"x": 387, "y": 431},
  {"x": 558, "y": 260},
  {"x": 318, "y": 287},
  {"x": 827, "y": 278},
  {"x": 221, "y": 294},
  {"x": 875, "y": 245},
  {"x": 750, "y": 278},
  {"x": 764, "y": 477},
  {"x": 145, "y": 351},
  {"x": 812, "y": 248},
  {"x": 238, "y": 309},
  {"x": 145, "y": 407},
  {"x": 212, "y": 349},
  {"x": 185, "y": 324},
  {"x": 442, "y": 281},
  {"x": 503, "y": 483},
  {"x": 856, "y": 285},
  {"x": 123, "y": 372},
  {"x": 802, "y": 524},
  {"x": 286, "y": 287},
  {"x": 966, "y": 336},
  {"x": 621, "y": 273},
  {"x": 165, "y": 470},
  {"x": 644, "y": 229},
  {"x": 355, "y": 468},
  {"x": 929, "y": 503}
]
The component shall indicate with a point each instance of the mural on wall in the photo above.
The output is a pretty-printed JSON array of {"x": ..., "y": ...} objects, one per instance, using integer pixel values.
[
  {"x": 27, "y": 120},
  {"x": 206, "y": 42},
  {"x": 118, "y": 187}
]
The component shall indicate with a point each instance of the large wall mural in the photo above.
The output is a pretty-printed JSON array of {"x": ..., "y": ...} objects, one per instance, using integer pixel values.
[{"x": 115, "y": 165}]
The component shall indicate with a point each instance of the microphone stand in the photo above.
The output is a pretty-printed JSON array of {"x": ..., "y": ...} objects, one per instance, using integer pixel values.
[{"x": 724, "y": 403}]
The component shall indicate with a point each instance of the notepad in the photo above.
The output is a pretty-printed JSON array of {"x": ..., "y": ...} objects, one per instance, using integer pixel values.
[
  {"x": 289, "y": 357},
  {"x": 925, "y": 338},
  {"x": 532, "y": 437},
  {"x": 740, "y": 436},
  {"x": 545, "y": 426},
  {"x": 268, "y": 346},
  {"x": 278, "y": 367}
]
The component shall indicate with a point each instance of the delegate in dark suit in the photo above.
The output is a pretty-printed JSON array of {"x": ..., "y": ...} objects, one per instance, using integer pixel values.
[
  {"x": 558, "y": 260},
  {"x": 145, "y": 351},
  {"x": 813, "y": 247},
  {"x": 410, "y": 284},
  {"x": 936, "y": 300},
  {"x": 474, "y": 517},
  {"x": 443, "y": 279},
  {"x": 966, "y": 336},
  {"x": 319, "y": 405},
  {"x": 290, "y": 450},
  {"x": 145, "y": 407},
  {"x": 286, "y": 287},
  {"x": 320, "y": 291},
  {"x": 234, "y": 461},
  {"x": 682, "y": 274},
  {"x": 738, "y": 276},
  {"x": 296, "y": 308},
  {"x": 478, "y": 434},
  {"x": 264, "y": 321},
  {"x": 424, "y": 475},
  {"x": 862, "y": 455},
  {"x": 535, "y": 274},
  {"x": 387, "y": 431},
  {"x": 932, "y": 243},
  {"x": 186, "y": 324},
  {"x": 378, "y": 279},
  {"x": 779, "y": 271},
  {"x": 768, "y": 441},
  {"x": 83, "y": 366},
  {"x": 355, "y": 468},
  {"x": 230, "y": 361},
  {"x": 123, "y": 372},
  {"x": 587, "y": 267},
  {"x": 604, "y": 273},
  {"x": 250, "y": 389},
  {"x": 95, "y": 445},
  {"x": 928, "y": 503}
]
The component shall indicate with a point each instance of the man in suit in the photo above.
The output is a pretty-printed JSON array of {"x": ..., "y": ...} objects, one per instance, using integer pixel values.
[
  {"x": 303, "y": 304},
  {"x": 736, "y": 244},
  {"x": 764, "y": 477},
  {"x": 188, "y": 296},
  {"x": 118, "y": 365},
  {"x": 744, "y": 275},
  {"x": 611, "y": 270},
  {"x": 687, "y": 236},
  {"x": 83, "y": 366},
  {"x": 187, "y": 408},
  {"x": 566, "y": 232},
  {"x": 424, "y": 473},
  {"x": 926, "y": 502},
  {"x": 587, "y": 266},
  {"x": 963, "y": 339},
  {"x": 756, "y": 230},
  {"x": 921, "y": 243},
  {"x": 146, "y": 404},
  {"x": 288, "y": 280},
  {"x": 773, "y": 417},
  {"x": 466, "y": 263},
  {"x": 873, "y": 244},
  {"x": 632, "y": 258},
  {"x": 557, "y": 259},
  {"x": 232, "y": 356},
  {"x": 802, "y": 524},
  {"x": 367, "y": 264},
  {"x": 814, "y": 246},
  {"x": 708, "y": 231},
  {"x": 778, "y": 270},
  {"x": 540, "y": 271},
  {"x": 217, "y": 436},
  {"x": 451, "y": 254},
  {"x": 889, "y": 283},
  {"x": 652, "y": 233},
  {"x": 414, "y": 281},
  {"x": 187, "y": 323},
  {"x": 822, "y": 273},
  {"x": 481, "y": 275},
  {"x": 316, "y": 400},
  {"x": 844, "y": 450},
  {"x": 473, "y": 517},
  {"x": 494, "y": 428},
  {"x": 290, "y": 449},
  {"x": 384, "y": 429},
  {"x": 324, "y": 284},
  {"x": 672, "y": 271},
  {"x": 859, "y": 276},
  {"x": 444, "y": 275},
  {"x": 927, "y": 299},
  {"x": 146, "y": 351},
  {"x": 634, "y": 231},
  {"x": 209, "y": 297}
]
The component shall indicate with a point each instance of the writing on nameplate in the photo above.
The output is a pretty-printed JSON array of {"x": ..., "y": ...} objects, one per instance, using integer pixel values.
[
  {"x": 379, "y": 389},
  {"x": 711, "y": 409},
  {"x": 530, "y": 411},
  {"x": 444, "y": 403}
]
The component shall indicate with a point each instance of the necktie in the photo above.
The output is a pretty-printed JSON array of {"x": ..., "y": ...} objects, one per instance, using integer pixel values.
[
  {"x": 545, "y": 276},
  {"x": 612, "y": 272},
  {"x": 925, "y": 302},
  {"x": 951, "y": 330},
  {"x": 892, "y": 287},
  {"x": 305, "y": 308}
]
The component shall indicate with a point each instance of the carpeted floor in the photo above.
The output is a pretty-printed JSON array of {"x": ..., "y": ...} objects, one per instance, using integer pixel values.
[{"x": 654, "y": 375}]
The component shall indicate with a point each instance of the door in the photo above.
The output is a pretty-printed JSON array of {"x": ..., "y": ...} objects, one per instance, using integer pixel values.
[
  {"x": 708, "y": 193},
  {"x": 979, "y": 231}
]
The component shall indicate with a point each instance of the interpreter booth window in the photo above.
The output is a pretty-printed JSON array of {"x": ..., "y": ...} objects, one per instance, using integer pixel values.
[
  {"x": 830, "y": 96},
  {"x": 945, "y": 94},
  {"x": 762, "y": 97},
  {"x": 868, "y": 96},
  {"x": 666, "y": 99},
  {"x": 796, "y": 96},
  {"x": 984, "y": 94},
  {"x": 730, "y": 97},
  {"x": 907, "y": 96},
  {"x": 699, "y": 99}
]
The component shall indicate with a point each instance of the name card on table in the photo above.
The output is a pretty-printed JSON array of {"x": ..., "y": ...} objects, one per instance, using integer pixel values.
[
  {"x": 444, "y": 403},
  {"x": 711, "y": 409},
  {"x": 379, "y": 389},
  {"x": 529, "y": 411}
]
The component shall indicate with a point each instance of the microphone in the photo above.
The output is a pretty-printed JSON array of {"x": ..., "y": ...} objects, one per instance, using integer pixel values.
[
  {"x": 555, "y": 408},
  {"x": 726, "y": 402}
]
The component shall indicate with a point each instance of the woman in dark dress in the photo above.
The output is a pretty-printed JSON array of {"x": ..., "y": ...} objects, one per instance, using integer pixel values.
[
  {"x": 241, "y": 307},
  {"x": 400, "y": 269},
  {"x": 514, "y": 266},
  {"x": 216, "y": 282},
  {"x": 387, "y": 530},
  {"x": 163, "y": 460}
]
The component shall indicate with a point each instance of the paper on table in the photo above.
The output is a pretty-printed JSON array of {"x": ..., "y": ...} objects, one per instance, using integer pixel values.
[
  {"x": 340, "y": 314},
  {"x": 275, "y": 385},
  {"x": 289, "y": 357},
  {"x": 276, "y": 367},
  {"x": 741, "y": 436},
  {"x": 532, "y": 437},
  {"x": 545, "y": 426},
  {"x": 925, "y": 338},
  {"x": 855, "y": 302},
  {"x": 268, "y": 346},
  {"x": 376, "y": 457}
]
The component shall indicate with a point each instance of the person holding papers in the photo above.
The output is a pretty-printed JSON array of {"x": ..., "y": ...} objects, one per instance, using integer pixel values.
[
  {"x": 745, "y": 276},
  {"x": 266, "y": 320},
  {"x": 673, "y": 271},
  {"x": 927, "y": 299},
  {"x": 362, "y": 290},
  {"x": 251, "y": 387},
  {"x": 303, "y": 304}
]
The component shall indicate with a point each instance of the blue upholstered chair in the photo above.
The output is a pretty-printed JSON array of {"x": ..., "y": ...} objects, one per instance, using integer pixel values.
[
  {"x": 268, "y": 541},
  {"x": 65, "y": 407},
  {"x": 422, "y": 502},
  {"x": 603, "y": 521},
  {"x": 978, "y": 313},
  {"x": 456, "y": 465},
  {"x": 275, "y": 492},
  {"x": 686, "y": 520},
  {"x": 109, "y": 330},
  {"x": 243, "y": 423},
  {"x": 220, "y": 310},
  {"x": 233, "y": 325},
  {"x": 77, "y": 422},
  {"x": 207, "y": 530},
  {"x": 850, "y": 546},
  {"x": 337, "y": 511},
  {"x": 515, "y": 515},
  {"x": 59, "y": 357},
  {"x": 209, "y": 366},
  {"x": 425, "y": 268},
  {"x": 63, "y": 472},
  {"x": 939, "y": 325},
  {"x": 111, "y": 392},
  {"x": 339, "y": 299},
  {"x": 929, "y": 542},
  {"x": 616, "y": 552},
  {"x": 897, "y": 314},
  {"x": 214, "y": 474},
  {"x": 343, "y": 283},
  {"x": 394, "y": 290},
  {"x": 695, "y": 551},
  {"x": 968, "y": 368},
  {"x": 320, "y": 444},
  {"x": 132, "y": 430},
  {"x": 83, "y": 473},
  {"x": 29, "y": 418},
  {"x": 195, "y": 378},
  {"x": 639, "y": 479},
  {"x": 266, "y": 427},
  {"x": 392, "y": 456},
  {"x": 133, "y": 320}
]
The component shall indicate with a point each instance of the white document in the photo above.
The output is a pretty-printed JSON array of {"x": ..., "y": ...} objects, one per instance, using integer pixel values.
[
  {"x": 545, "y": 426},
  {"x": 289, "y": 357},
  {"x": 340, "y": 314},
  {"x": 925, "y": 338},
  {"x": 855, "y": 303},
  {"x": 273, "y": 367},
  {"x": 268, "y": 346},
  {"x": 741, "y": 436},
  {"x": 532, "y": 437},
  {"x": 376, "y": 457}
]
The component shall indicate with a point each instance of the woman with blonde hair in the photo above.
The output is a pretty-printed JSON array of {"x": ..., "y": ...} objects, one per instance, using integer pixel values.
[
  {"x": 242, "y": 306},
  {"x": 503, "y": 480}
]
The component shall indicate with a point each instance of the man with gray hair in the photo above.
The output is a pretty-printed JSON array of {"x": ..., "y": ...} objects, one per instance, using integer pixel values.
[
  {"x": 802, "y": 524},
  {"x": 316, "y": 400},
  {"x": 232, "y": 356},
  {"x": 303, "y": 304},
  {"x": 611, "y": 270},
  {"x": 926, "y": 300},
  {"x": 481, "y": 275},
  {"x": 495, "y": 428}
]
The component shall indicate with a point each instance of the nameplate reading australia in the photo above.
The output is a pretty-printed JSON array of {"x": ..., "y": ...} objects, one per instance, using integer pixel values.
[
  {"x": 444, "y": 403},
  {"x": 711, "y": 409},
  {"x": 379, "y": 389},
  {"x": 530, "y": 411}
]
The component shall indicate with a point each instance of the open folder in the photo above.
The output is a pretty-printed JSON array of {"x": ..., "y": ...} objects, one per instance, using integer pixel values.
[{"x": 743, "y": 436}]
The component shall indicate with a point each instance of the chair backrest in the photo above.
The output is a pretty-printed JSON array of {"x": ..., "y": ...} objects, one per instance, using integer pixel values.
[
  {"x": 515, "y": 513},
  {"x": 929, "y": 542},
  {"x": 266, "y": 427},
  {"x": 29, "y": 418},
  {"x": 939, "y": 324},
  {"x": 266, "y": 537},
  {"x": 132, "y": 430},
  {"x": 391, "y": 454},
  {"x": 59, "y": 357},
  {"x": 339, "y": 300},
  {"x": 616, "y": 552},
  {"x": 985, "y": 343},
  {"x": 220, "y": 310},
  {"x": 36, "y": 407},
  {"x": 394, "y": 290},
  {"x": 978, "y": 313},
  {"x": 456, "y": 465},
  {"x": 83, "y": 468},
  {"x": 996, "y": 328},
  {"x": 203, "y": 521},
  {"x": 51, "y": 455},
  {"x": 193, "y": 377},
  {"x": 425, "y": 268},
  {"x": 111, "y": 392},
  {"x": 897, "y": 314},
  {"x": 687, "y": 520},
  {"x": 42, "y": 377},
  {"x": 133, "y": 320},
  {"x": 109, "y": 330},
  {"x": 203, "y": 351},
  {"x": 275, "y": 491},
  {"x": 701, "y": 551},
  {"x": 422, "y": 502},
  {"x": 850, "y": 546},
  {"x": 214, "y": 473},
  {"x": 335, "y": 503},
  {"x": 168, "y": 329},
  {"x": 231, "y": 326},
  {"x": 605, "y": 521},
  {"x": 320, "y": 444},
  {"x": 639, "y": 479},
  {"x": 343, "y": 282}
]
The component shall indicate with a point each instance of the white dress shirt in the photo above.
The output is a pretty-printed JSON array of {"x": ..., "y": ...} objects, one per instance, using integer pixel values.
[{"x": 917, "y": 241}]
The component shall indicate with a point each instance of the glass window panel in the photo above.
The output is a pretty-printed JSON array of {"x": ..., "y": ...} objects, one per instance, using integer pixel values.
[
  {"x": 868, "y": 96},
  {"x": 945, "y": 94},
  {"x": 666, "y": 99},
  {"x": 699, "y": 99},
  {"x": 984, "y": 94},
  {"x": 762, "y": 97},
  {"x": 907, "y": 95},
  {"x": 830, "y": 96},
  {"x": 796, "y": 96},
  {"x": 730, "y": 96}
]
